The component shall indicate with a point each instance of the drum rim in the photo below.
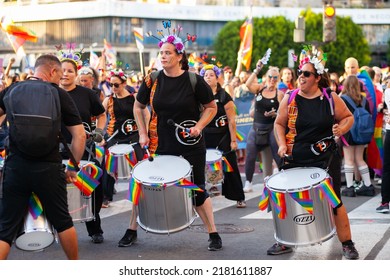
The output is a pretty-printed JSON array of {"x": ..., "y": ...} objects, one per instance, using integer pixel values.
[
  {"x": 217, "y": 152},
  {"x": 119, "y": 154},
  {"x": 170, "y": 183},
  {"x": 304, "y": 188}
]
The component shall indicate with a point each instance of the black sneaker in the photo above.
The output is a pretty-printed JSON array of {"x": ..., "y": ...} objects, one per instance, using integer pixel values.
[
  {"x": 215, "y": 244},
  {"x": 350, "y": 252},
  {"x": 349, "y": 192},
  {"x": 128, "y": 239},
  {"x": 383, "y": 208},
  {"x": 366, "y": 191},
  {"x": 97, "y": 238},
  {"x": 278, "y": 249}
]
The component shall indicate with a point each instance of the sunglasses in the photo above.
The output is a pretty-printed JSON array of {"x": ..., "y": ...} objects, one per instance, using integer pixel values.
[
  {"x": 305, "y": 73},
  {"x": 114, "y": 85},
  {"x": 273, "y": 77}
]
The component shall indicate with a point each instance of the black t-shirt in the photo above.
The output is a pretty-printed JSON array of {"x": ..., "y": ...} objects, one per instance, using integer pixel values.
[
  {"x": 220, "y": 121},
  {"x": 88, "y": 104},
  {"x": 175, "y": 99},
  {"x": 123, "y": 118},
  {"x": 69, "y": 114}
]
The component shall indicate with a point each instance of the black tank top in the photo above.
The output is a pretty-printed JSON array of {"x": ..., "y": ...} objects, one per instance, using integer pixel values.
[{"x": 262, "y": 105}]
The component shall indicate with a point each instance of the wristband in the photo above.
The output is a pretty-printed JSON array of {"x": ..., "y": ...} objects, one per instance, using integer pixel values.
[
  {"x": 70, "y": 166},
  {"x": 256, "y": 71}
]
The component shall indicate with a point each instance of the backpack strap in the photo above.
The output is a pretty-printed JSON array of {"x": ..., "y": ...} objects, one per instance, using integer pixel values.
[
  {"x": 292, "y": 95},
  {"x": 192, "y": 75},
  {"x": 350, "y": 101}
]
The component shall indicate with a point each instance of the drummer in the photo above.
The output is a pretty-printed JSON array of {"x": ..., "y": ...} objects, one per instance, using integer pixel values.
[
  {"x": 174, "y": 96},
  {"x": 220, "y": 134},
  {"x": 121, "y": 129},
  {"x": 304, "y": 129}
]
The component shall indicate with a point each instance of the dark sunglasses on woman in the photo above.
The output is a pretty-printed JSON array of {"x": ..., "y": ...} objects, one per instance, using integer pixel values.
[
  {"x": 305, "y": 73},
  {"x": 114, "y": 85}
]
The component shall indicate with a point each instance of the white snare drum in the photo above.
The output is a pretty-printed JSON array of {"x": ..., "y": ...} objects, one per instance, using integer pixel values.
[
  {"x": 79, "y": 205},
  {"x": 168, "y": 209},
  {"x": 36, "y": 234},
  {"x": 214, "y": 161},
  {"x": 119, "y": 151},
  {"x": 299, "y": 227}
]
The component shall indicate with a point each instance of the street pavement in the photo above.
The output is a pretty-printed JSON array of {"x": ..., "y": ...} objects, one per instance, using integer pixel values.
[{"x": 247, "y": 233}]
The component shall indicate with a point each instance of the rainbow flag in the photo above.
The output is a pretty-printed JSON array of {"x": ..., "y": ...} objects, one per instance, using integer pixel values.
[
  {"x": 215, "y": 166},
  {"x": 264, "y": 199},
  {"x": 184, "y": 183},
  {"x": 93, "y": 59},
  {"x": 279, "y": 203},
  {"x": 87, "y": 180},
  {"x": 110, "y": 54},
  {"x": 19, "y": 31},
  {"x": 240, "y": 136},
  {"x": 35, "y": 206},
  {"x": 134, "y": 191},
  {"x": 226, "y": 165},
  {"x": 111, "y": 164},
  {"x": 246, "y": 45},
  {"x": 139, "y": 38},
  {"x": 131, "y": 159},
  {"x": 326, "y": 190},
  {"x": 99, "y": 150},
  {"x": 303, "y": 199}
]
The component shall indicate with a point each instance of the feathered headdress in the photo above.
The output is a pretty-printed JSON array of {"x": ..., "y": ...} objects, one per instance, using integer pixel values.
[
  {"x": 315, "y": 56},
  {"x": 173, "y": 37}
]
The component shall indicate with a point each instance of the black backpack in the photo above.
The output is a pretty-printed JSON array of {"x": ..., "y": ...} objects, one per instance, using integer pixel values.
[{"x": 34, "y": 114}]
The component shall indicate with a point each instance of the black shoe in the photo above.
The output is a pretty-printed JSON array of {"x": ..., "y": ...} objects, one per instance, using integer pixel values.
[
  {"x": 350, "y": 252},
  {"x": 97, "y": 238},
  {"x": 278, "y": 249},
  {"x": 383, "y": 208},
  {"x": 366, "y": 191},
  {"x": 215, "y": 244},
  {"x": 349, "y": 192},
  {"x": 128, "y": 239}
]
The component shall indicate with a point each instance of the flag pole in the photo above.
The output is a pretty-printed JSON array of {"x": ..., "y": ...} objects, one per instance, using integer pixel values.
[{"x": 141, "y": 62}]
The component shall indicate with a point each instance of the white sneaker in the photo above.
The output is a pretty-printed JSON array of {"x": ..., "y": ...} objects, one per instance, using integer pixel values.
[{"x": 248, "y": 187}]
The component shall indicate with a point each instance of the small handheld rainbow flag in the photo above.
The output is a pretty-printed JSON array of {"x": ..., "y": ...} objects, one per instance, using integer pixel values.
[
  {"x": 99, "y": 150},
  {"x": 134, "y": 191},
  {"x": 279, "y": 203},
  {"x": 214, "y": 166},
  {"x": 184, "y": 183},
  {"x": 226, "y": 165},
  {"x": 326, "y": 189},
  {"x": 264, "y": 199},
  {"x": 131, "y": 159},
  {"x": 111, "y": 164},
  {"x": 87, "y": 182},
  {"x": 34, "y": 206}
]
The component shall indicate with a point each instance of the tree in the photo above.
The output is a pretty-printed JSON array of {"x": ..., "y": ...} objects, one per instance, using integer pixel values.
[{"x": 277, "y": 33}]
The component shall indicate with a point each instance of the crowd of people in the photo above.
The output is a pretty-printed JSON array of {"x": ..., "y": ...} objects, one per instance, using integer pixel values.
[{"x": 105, "y": 107}]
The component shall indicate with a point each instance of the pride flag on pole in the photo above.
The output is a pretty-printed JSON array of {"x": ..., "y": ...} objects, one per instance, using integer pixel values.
[
  {"x": 93, "y": 59},
  {"x": 246, "y": 45},
  {"x": 110, "y": 54},
  {"x": 139, "y": 38}
]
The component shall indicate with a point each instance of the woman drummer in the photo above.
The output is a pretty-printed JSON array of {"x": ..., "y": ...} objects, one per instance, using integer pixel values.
[
  {"x": 307, "y": 120},
  {"x": 220, "y": 134}
]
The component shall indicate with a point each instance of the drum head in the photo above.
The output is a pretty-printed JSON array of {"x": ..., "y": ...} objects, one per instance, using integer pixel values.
[
  {"x": 213, "y": 155},
  {"x": 163, "y": 169},
  {"x": 121, "y": 149},
  {"x": 296, "y": 179}
]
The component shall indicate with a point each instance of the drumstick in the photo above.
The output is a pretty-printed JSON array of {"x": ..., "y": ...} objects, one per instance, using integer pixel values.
[
  {"x": 112, "y": 136},
  {"x": 171, "y": 122},
  {"x": 150, "y": 158}
]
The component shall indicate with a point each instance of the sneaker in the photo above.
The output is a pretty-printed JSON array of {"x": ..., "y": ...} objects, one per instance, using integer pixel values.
[
  {"x": 215, "y": 244},
  {"x": 357, "y": 184},
  {"x": 106, "y": 203},
  {"x": 97, "y": 238},
  {"x": 278, "y": 249},
  {"x": 366, "y": 191},
  {"x": 128, "y": 239},
  {"x": 383, "y": 208},
  {"x": 241, "y": 204},
  {"x": 350, "y": 252},
  {"x": 248, "y": 187},
  {"x": 349, "y": 192}
]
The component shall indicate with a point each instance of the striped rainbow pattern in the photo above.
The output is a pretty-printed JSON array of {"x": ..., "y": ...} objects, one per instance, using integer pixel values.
[
  {"x": 131, "y": 159},
  {"x": 111, "y": 164},
  {"x": 279, "y": 202},
  {"x": 303, "y": 199},
  {"x": 326, "y": 189},
  {"x": 240, "y": 136},
  {"x": 226, "y": 165},
  {"x": 35, "y": 206},
  {"x": 87, "y": 182},
  {"x": 184, "y": 183},
  {"x": 134, "y": 191},
  {"x": 264, "y": 199},
  {"x": 215, "y": 166}
]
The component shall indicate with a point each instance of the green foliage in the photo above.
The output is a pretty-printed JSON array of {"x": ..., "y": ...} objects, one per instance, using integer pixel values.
[{"x": 277, "y": 33}]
